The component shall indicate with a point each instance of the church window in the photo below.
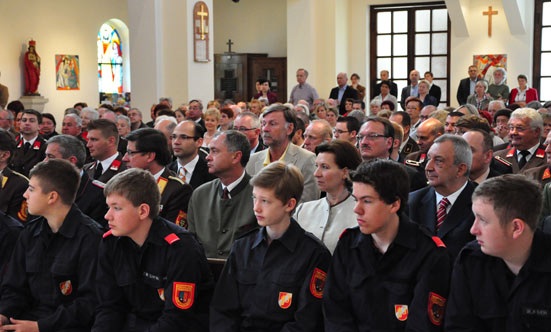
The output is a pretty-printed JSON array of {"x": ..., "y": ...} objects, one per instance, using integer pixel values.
[
  {"x": 110, "y": 60},
  {"x": 542, "y": 49}
]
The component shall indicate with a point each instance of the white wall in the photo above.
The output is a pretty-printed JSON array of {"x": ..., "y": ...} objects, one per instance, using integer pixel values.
[
  {"x": 59, "y": 27},
  {"x": 255, "y": 26}
]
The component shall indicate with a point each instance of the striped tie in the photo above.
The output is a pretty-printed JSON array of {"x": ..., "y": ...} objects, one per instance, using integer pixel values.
[{"x": 441, "y": 213}]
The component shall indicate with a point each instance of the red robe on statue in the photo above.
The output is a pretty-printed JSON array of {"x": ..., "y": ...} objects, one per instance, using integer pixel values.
[{"x": 32, "y": 70}]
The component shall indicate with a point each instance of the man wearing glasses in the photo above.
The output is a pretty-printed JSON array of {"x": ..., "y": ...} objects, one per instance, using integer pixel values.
[
  {"x": 190, "y": 165},
  {"x": 525, "y": 127},
  {"x": 249, "y": 124},
  {"x": 347, "y": 128}
]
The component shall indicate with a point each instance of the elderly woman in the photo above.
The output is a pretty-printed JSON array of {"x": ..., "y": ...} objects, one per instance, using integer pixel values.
[
  {"x": 328, "y": 217},
  {"x": 374, "y": 107},
  {"x": 523, "y": 94},
  {"x": 212, "y": 119},
  {"x": 480, "y": 99},
  {"x": 332, "y": 116},
  {"x": 424, "y": 87},
  {"x": 385, "y": 94},
  {"x": 498, "y": 89}
]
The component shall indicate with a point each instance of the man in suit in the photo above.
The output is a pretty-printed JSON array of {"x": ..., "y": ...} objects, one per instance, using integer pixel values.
[
  {"x": 278, "y": 128},
  {"x": 412, "y": 89},
  {"x": 195, "y": 113},
  {"x": 30, "y": 144},
  {"x": 342, "y": 92},
  {"x": 408, "y": 144},
  {"x": 434, "y": 90},
  {"x": 385, "y": 77},
  {"x": 89, "y": 199},
  {"x": 248, "y": 123},
  {"x": 466, "y": 85},
  {"x": 189, "y": 166},
  {"x": 148, "y": 150},
  {"x": 12, "y": 184},
  {"x": 444, "y": 207},
  {"x": 525, "y": 127},
  {"x": 103, "y": 141}
]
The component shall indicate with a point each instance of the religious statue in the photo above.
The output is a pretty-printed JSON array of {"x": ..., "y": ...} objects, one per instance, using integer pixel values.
[{"x": 32, "y": 70}]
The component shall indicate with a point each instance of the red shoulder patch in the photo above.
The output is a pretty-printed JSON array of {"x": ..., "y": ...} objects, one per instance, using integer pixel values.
[
  {"x": 540, "y": 153},
  {"x": 511, "y": 153},
  {"x": 108, "y": 233},
  {"x": 546, "y": 174},
  {"x": 438, "y": 241},
  {"x": 171, "y": 238},
  {"x": 343, "y": 233}
]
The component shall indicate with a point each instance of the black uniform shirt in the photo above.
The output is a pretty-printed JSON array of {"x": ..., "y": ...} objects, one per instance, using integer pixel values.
[
  {"x": 9, "y": 233},
  {"x": 486, "y": 296},
  {"x": 51, "y": 275},
  {"x": 276, "y": 287},
  {"x": 403, "y": 289},
  {"x": 164, "y": 285}
]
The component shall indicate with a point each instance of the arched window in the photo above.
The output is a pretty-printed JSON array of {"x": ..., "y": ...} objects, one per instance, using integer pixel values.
[{"x": 110, "y": 60}]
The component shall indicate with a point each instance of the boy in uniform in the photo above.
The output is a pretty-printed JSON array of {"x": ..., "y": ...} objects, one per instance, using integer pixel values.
[
  {"x": 273, "y": 279},
  {"x": 152, "y": 274}
]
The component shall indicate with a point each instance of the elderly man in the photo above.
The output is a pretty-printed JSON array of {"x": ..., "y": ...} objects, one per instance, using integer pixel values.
[
  {"x": 249, "y": 124},
  {"x": 6, "y": 120},
  {"x": 136, "y": 117},
  {"x": 278, "y": 128},
  {"x": 525, "y": 127},
  {"x": 408, "y": 144},
  {"x": 195, "y": 112},
  {"x": 317, "y": 132},
  {"x": 166, "y": 124},
  {"x": 87, "y": 114},
  {"x": 412, "y": 89},
  {"x": 494, "y": 106},
  {"x": 542, "y": 174},
  {"x": 229, "y": 212},
  {"x": 444, "y": 207},
  {"x": 303, "y": 90},
  {"x": 427, "y": 132},
  {"x": 467, "y": 85},
  {"x": 342, "y": 92},
  {"x": 426, "y": 112}
]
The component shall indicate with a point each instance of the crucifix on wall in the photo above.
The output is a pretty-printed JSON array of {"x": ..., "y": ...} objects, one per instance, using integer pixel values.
[
  {"x": 489, "y": 13},
  {"x": 201, "y": 32}
]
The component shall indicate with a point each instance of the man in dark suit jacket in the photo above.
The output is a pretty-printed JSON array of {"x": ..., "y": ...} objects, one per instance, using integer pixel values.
[
  {"x": 435, "y": 90},
  {"x": 484, "y": 165},
  {"x": 445, "y": 206},
  {"x": 343, "y": 91},
  {"x": 30, "y": 144},
  {"x": 412, "y": 89},
  {"x": 464, "y": 89},
  {"x": 393, "y": 86},
  {"x": 190, "y": 166},
  {"x": 195, "y": 113}
]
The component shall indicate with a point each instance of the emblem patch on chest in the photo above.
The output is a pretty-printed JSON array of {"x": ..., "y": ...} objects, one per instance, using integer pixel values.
[
  {"x": 401, "y": 311},
  {"x": 285, "y": 300},
  {"x": 183, "y": 294},
  {"x": 66, "y": 287},
  {"x": 317, "y": 283}
]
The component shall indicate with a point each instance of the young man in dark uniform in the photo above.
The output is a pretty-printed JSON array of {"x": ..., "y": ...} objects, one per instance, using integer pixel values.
[
  {"x": 502, "y": 281},
  {"x": 153, "y": 275},
  {"x": 49, "y": 284},
  {"x": 30, "y": 144},
  {"x": 9, "y": 233},
  {"x": 273, "y": 279},
  {"x": 388, "y": 273},
  {"x": 12, "y": 184}
]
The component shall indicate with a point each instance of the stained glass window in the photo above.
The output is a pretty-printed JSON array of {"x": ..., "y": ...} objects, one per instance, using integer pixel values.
[{"x": 110, "y": 72}]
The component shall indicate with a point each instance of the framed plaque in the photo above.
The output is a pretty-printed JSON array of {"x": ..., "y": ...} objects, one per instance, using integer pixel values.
[{"x": 201, "y": 32}]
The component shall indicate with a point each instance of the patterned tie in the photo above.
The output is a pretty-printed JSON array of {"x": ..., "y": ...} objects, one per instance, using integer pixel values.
[
  {"x": 182, "y": 174},
  {"x": 523, "y": 160},
  {"x": 441, "y": 213},
  {"x": 98, "y": 172},
  {"x": 226, "y": 193}
]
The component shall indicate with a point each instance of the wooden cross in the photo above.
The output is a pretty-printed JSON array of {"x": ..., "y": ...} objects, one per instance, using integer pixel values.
[
  {"x": 229, "y": 43},
  {"x": 490, "y": 13},
  {"x": 203, "y": 14}
]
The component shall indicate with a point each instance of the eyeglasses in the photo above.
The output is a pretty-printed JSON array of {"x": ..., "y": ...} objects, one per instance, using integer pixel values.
[
  {"x": 340, "y": 132},
  {"x": 243, "y": 129},
  {"x": 131, "y": 153},
  {"x": 370, "y": 137}
]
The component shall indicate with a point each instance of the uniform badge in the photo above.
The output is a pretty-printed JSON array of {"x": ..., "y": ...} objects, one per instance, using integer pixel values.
[
  {"x": 546, "y": 174},
  {"x": 171, "y": 238},
  {"x": 423, "y": 157},
  {"x": 22, "y": 214},
  {"x": 161, "y": 292},
  {"x": 20, "y": 144},
  {"x": 182, "y": 294},
  {"x": 437, "y": 305},
  {"x": 36, "y": 145},
  {"x": 285, "y": 300},
  {"x": 161, "y": 183},
  {"x": 181, "y": 220},
  {"x": 4, "y": 180},
  {"x": 401, "y": 311},
  {"x": 66, "y": 287},
  {"x": 510, "y": 153},
  {"x": 317, "y": 283},
  {"x": 540, "y": 153},
  {"x": 115, "y": 165},
  {"x": 503, "y": 161}
]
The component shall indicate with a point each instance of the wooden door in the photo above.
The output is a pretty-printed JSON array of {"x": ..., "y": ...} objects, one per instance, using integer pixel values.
[{"x": 272, "y": 69}]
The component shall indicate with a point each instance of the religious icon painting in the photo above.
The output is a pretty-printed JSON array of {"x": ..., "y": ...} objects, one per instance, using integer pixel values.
[
  {"x": 488, "y": 63},
  {"x": 67, "y": 72}
]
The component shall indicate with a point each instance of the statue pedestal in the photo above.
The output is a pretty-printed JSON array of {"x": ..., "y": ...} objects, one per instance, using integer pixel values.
[{"x": 34, "y": 102}]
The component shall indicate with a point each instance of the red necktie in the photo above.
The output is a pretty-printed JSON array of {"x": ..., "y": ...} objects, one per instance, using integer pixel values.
[{"x": 441, "y": 213}]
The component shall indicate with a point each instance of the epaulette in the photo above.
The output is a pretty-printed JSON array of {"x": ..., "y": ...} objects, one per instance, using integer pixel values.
[
  {"x": 175, "y": 178},
  {"x": 540, "y": 153},
  {"x": 108, "y": 233},
  {"x": 439, "y": 242},
  {"x": 21, "y": 175},
  {"x": 546, "y": 174},
  {"x": 504, "y": 161},
  {"x": 99, "y": 184},
  {"x": 413, "y": 163},
  {"x": 171, "y": 238}
]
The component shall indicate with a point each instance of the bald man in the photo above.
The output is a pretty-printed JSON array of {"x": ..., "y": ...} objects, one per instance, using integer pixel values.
[
  {"x": 319, "y": 131},
  {"x": 412, "y": 89},
  {"x": 342, "y": 92}
]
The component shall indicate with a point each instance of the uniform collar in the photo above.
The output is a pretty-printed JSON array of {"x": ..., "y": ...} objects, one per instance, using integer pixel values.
[
  {"x": 539, "y": 259},
  {"x": 69, "y": 227},
  {"x": 403, "y": 238},
  {"x": 289, "y": 239},
  {"x": 157, "y": 232}
]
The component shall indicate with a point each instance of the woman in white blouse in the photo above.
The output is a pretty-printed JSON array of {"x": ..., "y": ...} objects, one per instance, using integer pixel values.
[{"x": 328, "y": 217}]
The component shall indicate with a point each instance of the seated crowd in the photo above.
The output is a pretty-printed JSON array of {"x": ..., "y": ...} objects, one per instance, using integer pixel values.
[{"x": 309, "y": 215}]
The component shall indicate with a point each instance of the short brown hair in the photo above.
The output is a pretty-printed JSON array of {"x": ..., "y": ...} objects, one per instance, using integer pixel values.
[
  {"x": 60, "y": 176},
  {"x": 106, "y": 127},
  {"x": 512, "y": 196},
  {"x": 285, "y": 179},
  {"x": 137, "y": 186}
]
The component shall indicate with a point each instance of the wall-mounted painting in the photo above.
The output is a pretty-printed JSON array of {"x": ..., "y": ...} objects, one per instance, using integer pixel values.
[
  {"x": 486, "y": 65},
  {"x": 67, "y": 72}
]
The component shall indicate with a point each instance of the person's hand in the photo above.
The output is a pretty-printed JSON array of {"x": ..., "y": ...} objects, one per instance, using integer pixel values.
[
  {"x": 3, "y": 320},
  {"x": 19, "y": 325}
]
